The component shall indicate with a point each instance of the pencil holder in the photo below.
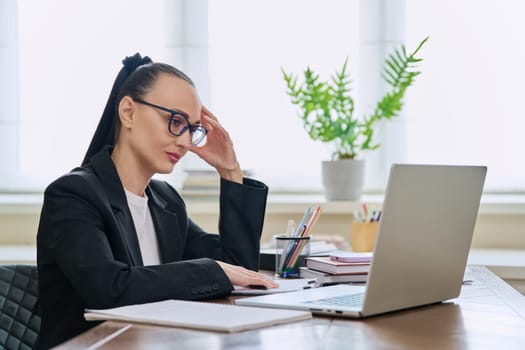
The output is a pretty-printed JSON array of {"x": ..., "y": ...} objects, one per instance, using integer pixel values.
[
  {"x": 289, "y": 255},
  {"x": 363, "y": 236}
]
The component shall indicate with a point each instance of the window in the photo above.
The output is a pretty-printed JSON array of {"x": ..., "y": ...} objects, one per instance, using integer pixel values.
[
  {"x": 249, "y": 43},
  {"x": 70, "y": 53},
  {"x": 464, "y": 108},
  {"x": 467, "y": 107}
]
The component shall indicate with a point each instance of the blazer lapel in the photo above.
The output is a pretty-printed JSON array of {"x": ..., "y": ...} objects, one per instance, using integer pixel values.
[
  {"x": 166, "y": 226},
  {"x": 107, "y": 173}
]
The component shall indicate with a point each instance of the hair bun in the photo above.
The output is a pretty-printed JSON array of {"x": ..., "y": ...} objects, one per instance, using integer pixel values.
[{"x": 133, "y": 62}]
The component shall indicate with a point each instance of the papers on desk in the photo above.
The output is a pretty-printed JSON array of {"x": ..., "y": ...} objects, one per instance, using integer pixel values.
[
  {"x": 199, "y": 315},
  {"x": 285, "y": 285}
]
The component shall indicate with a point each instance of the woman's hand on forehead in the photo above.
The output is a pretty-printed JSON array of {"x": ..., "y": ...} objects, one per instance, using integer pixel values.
[{"x": 218, "y": 150}]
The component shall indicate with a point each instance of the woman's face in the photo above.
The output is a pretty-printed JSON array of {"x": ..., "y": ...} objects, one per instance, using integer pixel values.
[{"x": 155, "y": 149}]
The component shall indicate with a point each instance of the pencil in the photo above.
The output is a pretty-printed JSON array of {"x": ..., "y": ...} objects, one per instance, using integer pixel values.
[{"x": 297, "y": 250}]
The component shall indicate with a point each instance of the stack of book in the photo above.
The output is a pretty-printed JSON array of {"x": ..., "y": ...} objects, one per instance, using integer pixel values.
[
  {"x": 339, "y": 267},
  {"x": 203, "y": 182},
  {"x": 200, "y": 183}
]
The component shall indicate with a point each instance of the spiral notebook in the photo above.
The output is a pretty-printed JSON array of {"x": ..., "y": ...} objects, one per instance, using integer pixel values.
[{"x": 199, "y": 315}]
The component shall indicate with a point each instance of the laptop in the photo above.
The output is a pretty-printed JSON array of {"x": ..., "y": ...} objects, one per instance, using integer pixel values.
[{"x": 423, "y": 240}]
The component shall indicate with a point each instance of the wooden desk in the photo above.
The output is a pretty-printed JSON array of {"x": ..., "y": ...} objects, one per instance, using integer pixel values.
[{"x": 489, "y": 314}]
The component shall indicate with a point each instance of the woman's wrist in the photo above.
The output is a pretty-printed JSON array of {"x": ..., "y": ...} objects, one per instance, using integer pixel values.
[{"x": 233, "y": 175}]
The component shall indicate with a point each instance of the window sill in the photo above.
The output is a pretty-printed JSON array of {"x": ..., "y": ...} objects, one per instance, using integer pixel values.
[
  {"x": 296, "y": 203},
  {"x": 506, "y": 263},
  {"x": 290, "y": 203},
  {"x": 20, "y": 203}
]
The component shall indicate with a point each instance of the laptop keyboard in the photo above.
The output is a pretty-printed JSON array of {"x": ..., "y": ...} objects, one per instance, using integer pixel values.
[{"x": 341, "y": 300}]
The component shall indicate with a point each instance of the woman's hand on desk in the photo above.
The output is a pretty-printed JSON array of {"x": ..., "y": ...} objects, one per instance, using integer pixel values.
[{"x": 239, "y": 276}]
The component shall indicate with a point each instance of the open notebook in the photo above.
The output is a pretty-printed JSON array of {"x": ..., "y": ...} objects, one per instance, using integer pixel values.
[{"x": 199, "y": 315}]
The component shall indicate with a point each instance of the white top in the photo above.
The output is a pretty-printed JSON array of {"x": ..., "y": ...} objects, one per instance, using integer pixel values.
[{"x": 149, "y": 247}]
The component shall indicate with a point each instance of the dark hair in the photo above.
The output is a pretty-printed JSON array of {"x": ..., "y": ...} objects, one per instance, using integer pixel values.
[{"x": 135, "y": 79}]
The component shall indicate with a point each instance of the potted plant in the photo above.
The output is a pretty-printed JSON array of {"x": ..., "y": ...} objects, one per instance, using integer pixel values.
[{"x": 327, "y": 111}]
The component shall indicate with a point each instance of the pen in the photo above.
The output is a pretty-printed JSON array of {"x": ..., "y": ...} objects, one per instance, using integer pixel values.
[
  {"x": 358, "y": 215},
  {"x": 311, "y": 284},
  {"x": 303, "y": 221},
  {"x": 290, "y": 228},
  {"x": 292, "y": 250},
  {"x": 365, "y": 210},
  {"x": 300, "y": 229},
  {"x": 299, "y": 246},
  {"x": 312, "y": 221}
]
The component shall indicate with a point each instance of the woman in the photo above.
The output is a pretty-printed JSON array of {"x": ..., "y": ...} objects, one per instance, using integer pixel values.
[{"x": 110, "y": 235}]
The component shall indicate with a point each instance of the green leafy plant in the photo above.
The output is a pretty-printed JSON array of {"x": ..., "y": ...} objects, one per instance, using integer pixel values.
[{"x": 327, "y": 107}]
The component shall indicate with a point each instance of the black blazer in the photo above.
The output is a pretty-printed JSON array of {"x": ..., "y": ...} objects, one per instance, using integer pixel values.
[{"x": 89, "y": 257}]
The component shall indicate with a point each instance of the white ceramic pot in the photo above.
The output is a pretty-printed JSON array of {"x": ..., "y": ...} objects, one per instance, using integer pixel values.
[{"x": 343, "y": 179}]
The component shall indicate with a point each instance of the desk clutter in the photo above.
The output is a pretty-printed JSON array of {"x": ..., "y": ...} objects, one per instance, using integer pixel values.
[
  {"x": 390, "y": 287},
  {"x": 296, "y": 255},
  {"x": 364, "y": 229},
  {"x": 338, "y": 267},
  {"x": 295, "y": 244},
  {"x": 334, "y": 267},
  {"x": 467, "y": 322}
]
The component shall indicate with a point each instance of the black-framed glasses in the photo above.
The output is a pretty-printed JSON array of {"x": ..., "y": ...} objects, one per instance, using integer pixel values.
[{"x": 179, "y": 123}]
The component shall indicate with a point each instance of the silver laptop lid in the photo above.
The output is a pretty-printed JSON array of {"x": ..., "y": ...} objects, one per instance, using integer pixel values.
[{"x": 424, "y": 235}]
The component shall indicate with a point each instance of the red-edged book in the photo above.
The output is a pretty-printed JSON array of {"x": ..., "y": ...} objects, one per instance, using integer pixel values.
[{"x": 325, "y": 264}]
